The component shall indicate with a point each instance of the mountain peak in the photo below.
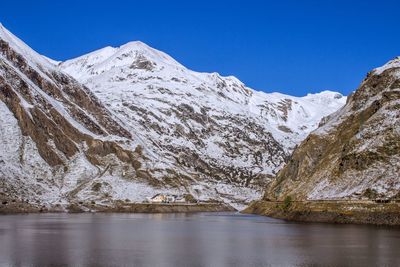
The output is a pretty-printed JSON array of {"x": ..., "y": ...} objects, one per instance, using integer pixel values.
[
  {"x": 130, "y": 56},
  {"x": 136, "y": 44},
  {"x": 325, "y": 94}
]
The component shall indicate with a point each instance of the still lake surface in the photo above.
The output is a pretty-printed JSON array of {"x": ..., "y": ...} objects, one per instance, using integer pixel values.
[{"x": 200, "y": 239}]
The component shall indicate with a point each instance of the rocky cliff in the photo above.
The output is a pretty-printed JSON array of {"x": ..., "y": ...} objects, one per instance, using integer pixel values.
[{"x": 355, "y": 153}]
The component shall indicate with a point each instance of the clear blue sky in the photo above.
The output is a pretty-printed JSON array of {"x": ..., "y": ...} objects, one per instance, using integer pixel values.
[{"x": 292, "y": 47}]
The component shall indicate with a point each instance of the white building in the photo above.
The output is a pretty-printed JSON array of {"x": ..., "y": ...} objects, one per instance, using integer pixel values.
[
  {"x": 159, "y": 198},
  {"x": 166, "y": 198}
]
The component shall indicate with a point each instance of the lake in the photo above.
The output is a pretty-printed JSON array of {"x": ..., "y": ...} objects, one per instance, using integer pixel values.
[{"x": 198, "y": 239}]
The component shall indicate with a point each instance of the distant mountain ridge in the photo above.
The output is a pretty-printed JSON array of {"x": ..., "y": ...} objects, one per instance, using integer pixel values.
[{"x": 139, "y": 66}]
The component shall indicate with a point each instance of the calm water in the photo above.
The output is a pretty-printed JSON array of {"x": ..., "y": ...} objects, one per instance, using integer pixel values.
[{"x": 203, "y": 239}]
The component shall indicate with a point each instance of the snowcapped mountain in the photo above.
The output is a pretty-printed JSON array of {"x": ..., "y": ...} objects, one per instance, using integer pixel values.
[
  {"x": 142, "y": 123},
  {"x": 55, "y": 134},
  {"x": 212, "y": 130},
  {"x": 154, "y": 78}
]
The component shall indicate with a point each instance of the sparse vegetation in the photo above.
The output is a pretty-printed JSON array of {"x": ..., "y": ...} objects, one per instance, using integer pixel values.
[
  {"x": 370, "y": 193},
  {"x": 190, "y": 198},
  {"x": 287, "y": 202},
  {"x": 96, "y": 187}
]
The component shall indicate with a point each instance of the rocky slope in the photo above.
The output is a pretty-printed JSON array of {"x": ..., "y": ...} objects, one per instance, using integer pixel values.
[
  {"x": 355, "y": 153},
  {"x": 55, "y": 134},
  {"x": 141, "y": 124}
]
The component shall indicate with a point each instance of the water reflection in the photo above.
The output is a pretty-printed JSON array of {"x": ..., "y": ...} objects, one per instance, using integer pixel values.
[{"x": 189, "y": 240}]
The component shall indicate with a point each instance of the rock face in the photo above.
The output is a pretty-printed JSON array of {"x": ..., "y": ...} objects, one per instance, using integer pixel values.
[
  {"x": 355, "y": 153},
  {"x": 55, "y": 134},
  {"x": 141, "y": 124}
]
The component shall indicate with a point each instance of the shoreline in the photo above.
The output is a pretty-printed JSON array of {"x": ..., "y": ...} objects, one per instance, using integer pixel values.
[
  {"x": 337, "y": 212},
  {"x": 117, "y": 206}
]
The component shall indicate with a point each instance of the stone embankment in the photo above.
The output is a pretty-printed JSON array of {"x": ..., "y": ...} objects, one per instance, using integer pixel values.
[{"x": 376, "y": 212}]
